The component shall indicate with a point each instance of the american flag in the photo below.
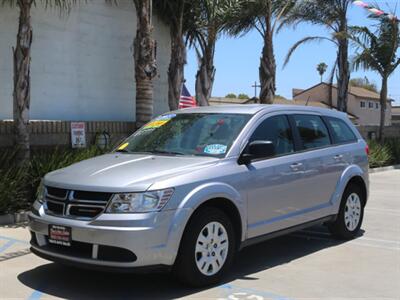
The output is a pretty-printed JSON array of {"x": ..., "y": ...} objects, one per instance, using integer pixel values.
[{"x": 186, "y": 100}]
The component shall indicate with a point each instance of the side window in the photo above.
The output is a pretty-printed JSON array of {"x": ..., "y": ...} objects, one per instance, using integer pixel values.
[
  {"x": 277, "y": 130},
  {"x": 312, "y": 130},
  {"x": 341, "y": 132}
]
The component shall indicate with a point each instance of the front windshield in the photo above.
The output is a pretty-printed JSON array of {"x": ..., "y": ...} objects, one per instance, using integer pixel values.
[{"x": 187, "y": 134}]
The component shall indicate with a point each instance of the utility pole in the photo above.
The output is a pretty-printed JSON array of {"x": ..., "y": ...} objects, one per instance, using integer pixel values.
[{"x": 255, "y": 86}]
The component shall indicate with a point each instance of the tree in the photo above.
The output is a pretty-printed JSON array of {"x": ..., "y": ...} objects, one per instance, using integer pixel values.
[
  {"x": 378, "y": 51},
  {"x": 209, "y": 17},
  {"x": 332, "y": 14},
  {"x": 231, "y": 95},
  {"x": 243, "y": 96},
  {"x": 145, "y": 61},
  {"x": 364, "y": 83},
  {"x": 263, "y": 16},
  {"x": 321, "y": 68},
  {"x": 22, "y": 68},
  {"x": 178, "y": 15}
]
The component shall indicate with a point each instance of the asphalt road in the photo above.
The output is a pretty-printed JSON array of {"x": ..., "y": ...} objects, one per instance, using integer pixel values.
[{"x": 304, "y": 265}]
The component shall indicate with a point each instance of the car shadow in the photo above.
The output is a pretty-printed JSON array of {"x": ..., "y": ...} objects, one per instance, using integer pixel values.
[{"x": 70, "y": 283}]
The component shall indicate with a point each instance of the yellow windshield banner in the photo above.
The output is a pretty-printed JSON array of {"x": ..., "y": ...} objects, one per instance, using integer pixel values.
[
  {"x": 156, "y": 124},
  {"x": 123, "y": 146}
]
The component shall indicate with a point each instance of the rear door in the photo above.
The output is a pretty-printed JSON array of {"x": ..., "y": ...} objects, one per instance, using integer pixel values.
[{"x": 323, "y": 164}]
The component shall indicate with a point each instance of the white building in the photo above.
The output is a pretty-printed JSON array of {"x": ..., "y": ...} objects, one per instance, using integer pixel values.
[{"x": 82, "y": 64}]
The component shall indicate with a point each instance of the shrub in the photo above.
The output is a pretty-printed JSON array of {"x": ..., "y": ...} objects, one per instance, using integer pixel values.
[
  {"x": 394, "y": 145},
  {"x": 18, "y": 184},
  {"x": 13, "y": 183},
  {"x": 379, "y": 155}
]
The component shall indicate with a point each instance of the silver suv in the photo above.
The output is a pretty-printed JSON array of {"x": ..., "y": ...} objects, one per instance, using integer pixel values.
[{"x": 192, "y": 187}]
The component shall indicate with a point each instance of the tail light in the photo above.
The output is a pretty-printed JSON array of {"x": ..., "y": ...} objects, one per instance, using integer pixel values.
[{"x": 367, "y": 149}]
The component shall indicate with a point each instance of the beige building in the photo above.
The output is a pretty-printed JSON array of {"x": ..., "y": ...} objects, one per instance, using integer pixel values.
[
  {"x": 395, "y": 115},
  {"x": 363, "y": 105}
]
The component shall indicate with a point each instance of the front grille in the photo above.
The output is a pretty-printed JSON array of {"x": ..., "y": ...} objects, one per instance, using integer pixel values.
[{"x": 75, "y": 204}]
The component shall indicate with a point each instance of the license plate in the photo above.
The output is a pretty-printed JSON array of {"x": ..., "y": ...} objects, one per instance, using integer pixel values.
[{"x": 60, "y": 235}]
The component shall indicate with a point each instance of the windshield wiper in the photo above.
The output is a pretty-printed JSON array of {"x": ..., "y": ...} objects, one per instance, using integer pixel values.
[
  {"x": 156, "y": 151},
  {"x": 122, "y": 150}
]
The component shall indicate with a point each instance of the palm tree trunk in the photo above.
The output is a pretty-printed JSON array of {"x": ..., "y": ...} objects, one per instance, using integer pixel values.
[
  {"x": 344, "y": 70},
  {"x": 206, "y": 73},
  {"x": 145, "y": 62},
  {"x": 383, "y": 101},
  {"x": 21, "y": 94},
  {"x": 267, "y": 70},
  {"x": 176, "y": 65}
]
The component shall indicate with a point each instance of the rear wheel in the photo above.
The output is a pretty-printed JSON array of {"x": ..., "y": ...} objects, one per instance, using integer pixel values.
[
  {"x": 351, "y": 213},
  {"x": 207, "y": 248}
]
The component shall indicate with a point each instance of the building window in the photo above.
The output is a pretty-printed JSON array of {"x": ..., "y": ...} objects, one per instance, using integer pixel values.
[
  {"x": 362, "y": 104},
  {"x": 371, "y": 104},
  {"x": 377, "y": 105}
]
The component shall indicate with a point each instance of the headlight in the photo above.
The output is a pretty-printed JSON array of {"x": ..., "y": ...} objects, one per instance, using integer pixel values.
[
  {"x": 41, "y": 192},
  {"x": 139, "y": 202}
]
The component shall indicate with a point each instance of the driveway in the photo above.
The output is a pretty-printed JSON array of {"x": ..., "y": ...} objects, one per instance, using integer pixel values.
[{"x": 305, "y": 265}]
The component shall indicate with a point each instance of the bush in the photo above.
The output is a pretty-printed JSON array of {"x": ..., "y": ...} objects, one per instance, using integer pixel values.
[
  {"x": 394, "y": 145},
  {"x": 18, "y": 184},
  {"x": 379, "y": 155}
]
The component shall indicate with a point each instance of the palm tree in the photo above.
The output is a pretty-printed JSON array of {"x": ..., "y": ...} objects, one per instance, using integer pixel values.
[
  {"x": 145, "y": 61},
  {"x": 208, "y": 23},
  {"x": 177, "y": 14},
  {"x": 378, "y": 51},
  {"x": 332, "y": 14},
  {"x": 263, "y": 16},
  {"x": 22, "y": 68},
  {"x": 321, "y": 68}
]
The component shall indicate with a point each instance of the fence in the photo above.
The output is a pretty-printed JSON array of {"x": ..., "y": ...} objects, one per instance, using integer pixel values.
[
  {"x": 58, "y": 133},
  {"x": 370, "y": 132}
]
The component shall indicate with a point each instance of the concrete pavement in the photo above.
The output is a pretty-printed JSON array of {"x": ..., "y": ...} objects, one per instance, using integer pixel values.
[{"x": 305, "y": 265}]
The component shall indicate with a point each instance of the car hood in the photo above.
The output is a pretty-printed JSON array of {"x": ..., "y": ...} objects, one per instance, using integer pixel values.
[{"x": 121, "y": 172}]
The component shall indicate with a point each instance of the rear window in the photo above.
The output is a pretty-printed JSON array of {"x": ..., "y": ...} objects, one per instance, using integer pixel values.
[
  {"x": 341, "y": 132},
  {"x": 312, "y": 130}
]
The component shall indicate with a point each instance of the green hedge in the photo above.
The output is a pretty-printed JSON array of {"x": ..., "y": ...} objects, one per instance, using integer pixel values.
[
  {"x": 18, "y": 184},
  {"x": 381, "y": 155}
]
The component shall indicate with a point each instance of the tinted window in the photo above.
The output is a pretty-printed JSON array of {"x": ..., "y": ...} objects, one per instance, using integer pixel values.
[
  {"x": 277, "y": 130},
  {"x": 312, "y": 130},
  {"x": 341, "y": 132}
]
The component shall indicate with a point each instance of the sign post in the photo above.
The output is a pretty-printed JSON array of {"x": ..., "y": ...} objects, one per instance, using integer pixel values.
[{"x": 78, "y": 135}]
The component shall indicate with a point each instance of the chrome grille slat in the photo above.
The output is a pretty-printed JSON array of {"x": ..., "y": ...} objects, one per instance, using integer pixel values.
[{"x": 77, "y": 208}]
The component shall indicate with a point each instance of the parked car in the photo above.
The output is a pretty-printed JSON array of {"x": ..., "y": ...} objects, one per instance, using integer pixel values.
[{"x": 194, "y": 186}]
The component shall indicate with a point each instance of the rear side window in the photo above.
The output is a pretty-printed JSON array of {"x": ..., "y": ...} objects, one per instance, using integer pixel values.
[
  {"x": 312, "y": 130},
  {"x": 277, "y": 130},
  {"x": 341, "y": 132}
]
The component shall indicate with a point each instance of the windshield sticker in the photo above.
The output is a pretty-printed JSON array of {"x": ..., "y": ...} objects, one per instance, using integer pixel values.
[
  {"x": 123, "y": 146},
  {"x": 215, "y": 149}
]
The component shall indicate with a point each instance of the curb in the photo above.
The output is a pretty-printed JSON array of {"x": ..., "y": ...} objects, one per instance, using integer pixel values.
[
  {"x": 11, "y": 219},
  {"x": 383, "y": 169}
]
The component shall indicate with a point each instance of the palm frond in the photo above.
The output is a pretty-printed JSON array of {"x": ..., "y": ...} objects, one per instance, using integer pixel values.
[{"x": 303, "y": 41}]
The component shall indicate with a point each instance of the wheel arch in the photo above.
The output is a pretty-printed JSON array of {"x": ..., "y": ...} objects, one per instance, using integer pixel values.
[{"x": 359, "y": 181}]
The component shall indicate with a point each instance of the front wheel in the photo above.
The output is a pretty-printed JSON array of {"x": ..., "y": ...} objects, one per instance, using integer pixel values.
[
  {"x": 351, "y": 213},
  {"x": 207, "y": 248}
]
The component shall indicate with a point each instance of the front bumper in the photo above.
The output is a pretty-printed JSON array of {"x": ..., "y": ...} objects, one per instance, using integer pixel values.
[{"x": 130, "y": 240}]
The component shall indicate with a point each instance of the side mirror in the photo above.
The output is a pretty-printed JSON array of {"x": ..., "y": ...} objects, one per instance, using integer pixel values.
[{"x": 256, "y": 150}]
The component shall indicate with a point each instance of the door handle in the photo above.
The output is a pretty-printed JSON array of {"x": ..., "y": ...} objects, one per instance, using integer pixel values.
[
  {"x": 296, "y": 166},
  {"x": 338, "y": 157}
]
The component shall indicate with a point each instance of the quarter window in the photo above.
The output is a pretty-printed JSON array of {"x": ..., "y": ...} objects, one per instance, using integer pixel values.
[
  {"x": 312, "y": 130},
  {"x": 341, "y": 132},
  {"x": 277, "y": 130}
]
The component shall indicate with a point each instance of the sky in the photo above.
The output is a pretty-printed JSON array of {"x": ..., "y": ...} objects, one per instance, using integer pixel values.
[{"x": 237, "y": 60}]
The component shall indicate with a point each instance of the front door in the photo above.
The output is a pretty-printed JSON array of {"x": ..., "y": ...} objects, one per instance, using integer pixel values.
[{"x": 274, "y": 183}]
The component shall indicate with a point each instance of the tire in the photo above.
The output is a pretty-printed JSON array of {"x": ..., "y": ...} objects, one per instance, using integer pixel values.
[
  {"x": 190, "y": 260},
  {"x": 351, "y": 213}
]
